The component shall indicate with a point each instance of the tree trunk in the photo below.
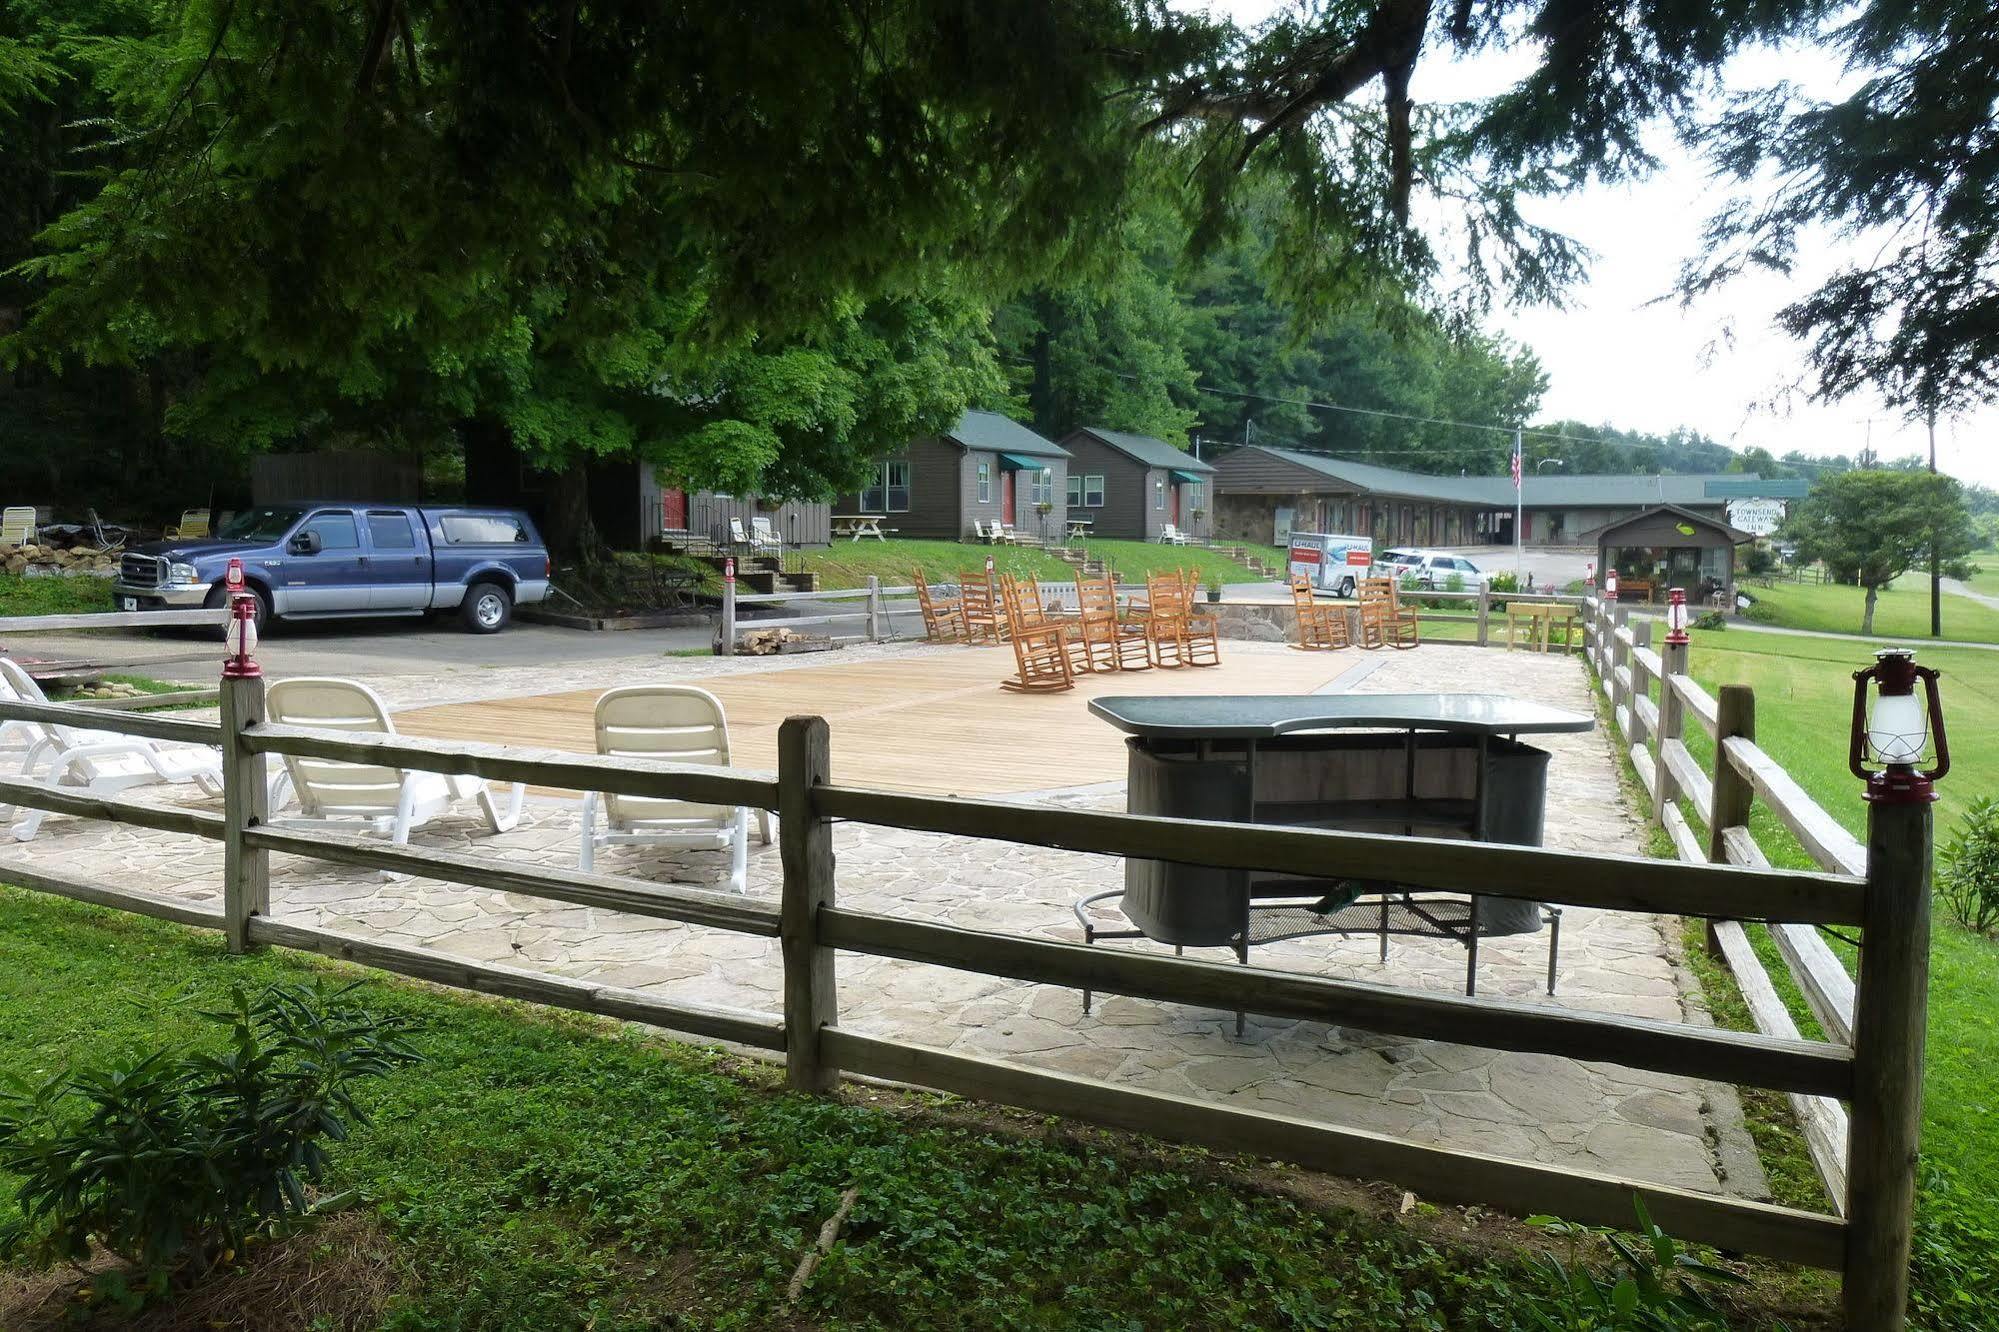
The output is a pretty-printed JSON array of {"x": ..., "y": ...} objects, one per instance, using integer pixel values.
[
  {"x": 1867, "y": 615},
  {"x": 559, "y": 503}
]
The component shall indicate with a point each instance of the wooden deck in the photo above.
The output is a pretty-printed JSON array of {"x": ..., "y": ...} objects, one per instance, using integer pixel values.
[{"x": 934, "y": 720}]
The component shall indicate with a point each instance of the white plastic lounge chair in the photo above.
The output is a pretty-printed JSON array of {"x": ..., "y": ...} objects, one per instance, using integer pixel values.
[
  {"x": 342, "y": 796},
  {"x": 17, "y": 525},
  {"x": 764, "y": 537},
  {"x": 679, "y": 724},
  {"x": 193, "y": 523},
  {"x": 101, "y": 762}
]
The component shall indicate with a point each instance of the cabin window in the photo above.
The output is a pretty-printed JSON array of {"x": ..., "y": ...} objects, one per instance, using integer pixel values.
[
  {"x": 1194, "y": 495},
  {"x": 1043, "y": 489},
  {"x": 1159, "y": 494},
  {"x": 985, "y": 482},
  {"x": 1093, "y": 492},
  {"x": 1075, "y": 489},
  {"x": 887, "y": 490}
]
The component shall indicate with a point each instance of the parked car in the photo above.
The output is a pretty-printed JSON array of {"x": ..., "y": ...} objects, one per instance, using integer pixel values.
[
  {"x": 1432, "y": 569},
  {"x": 345, "y": 560}
]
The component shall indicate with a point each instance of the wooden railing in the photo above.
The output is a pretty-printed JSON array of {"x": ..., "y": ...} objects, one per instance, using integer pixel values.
[
  {"x": 872, "y": 614},
  {"x": 1652, "y": 699},
  {"x": 813, "y": 926}
]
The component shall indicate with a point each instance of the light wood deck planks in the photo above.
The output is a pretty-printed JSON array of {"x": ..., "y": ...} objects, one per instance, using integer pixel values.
[{"x": 934, "y": 721}]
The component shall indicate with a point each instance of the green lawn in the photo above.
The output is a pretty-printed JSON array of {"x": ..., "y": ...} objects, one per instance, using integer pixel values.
[
  {"x": 543, "y": 1171},
  {"x": 848, "y": 563},
  {"x": 1903, "y": 610},
  {"x": 53, "y": 596},
  {"x": 1986, "y": 580},
  {"x": 1804, "y": 692}
]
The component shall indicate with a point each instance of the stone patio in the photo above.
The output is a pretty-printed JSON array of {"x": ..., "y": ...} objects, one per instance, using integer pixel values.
[{"x": 1538, "y": 1108}]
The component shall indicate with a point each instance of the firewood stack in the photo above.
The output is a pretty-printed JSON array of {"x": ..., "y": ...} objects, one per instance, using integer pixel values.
[{"x": 777, "y": 641}]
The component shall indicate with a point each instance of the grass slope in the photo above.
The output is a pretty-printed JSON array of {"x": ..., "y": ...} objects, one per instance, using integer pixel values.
[
  {"x": 1804, "y": 692},
  {"x": 53, "y": 596},
  {"x": 549, "y": 1172},
  {"x": 1903, "y": 610},
  {"x": 848, "y": 563}
]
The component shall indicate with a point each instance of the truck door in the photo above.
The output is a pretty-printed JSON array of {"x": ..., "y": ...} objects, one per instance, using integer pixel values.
[
  {"x": 329, "y": 579},
  {"x": 398, "y": 562}
]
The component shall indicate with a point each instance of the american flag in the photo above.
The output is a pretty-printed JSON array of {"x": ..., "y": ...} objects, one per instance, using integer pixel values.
[{"x": 1516, "y": 469}]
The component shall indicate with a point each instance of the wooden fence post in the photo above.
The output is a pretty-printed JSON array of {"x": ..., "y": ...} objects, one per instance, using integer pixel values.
[
  {"x": 805, "y": 837},
  {"x": 1672, "y": 720},
  {"x": 246, "y": 796},
  {"x": 1641, "y": 683},
  {"x": 1889, "y": 1017},
  {"x": 1484, "y": 614},
  {"x": 877, "y": 629},
  {"x": 1619, "y": 655},
  {"x": 1735, "y": 714},
  {"x": 726, "y": 646}
]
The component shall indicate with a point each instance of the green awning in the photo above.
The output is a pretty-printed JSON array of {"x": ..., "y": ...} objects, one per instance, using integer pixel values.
[
  {"x": 1194, "y": 478},
  {"x": 1022, "y": 462}
]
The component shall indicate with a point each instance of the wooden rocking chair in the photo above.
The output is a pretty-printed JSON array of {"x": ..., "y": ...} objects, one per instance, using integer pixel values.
[
  {"x": 1384, "y": 620},
  {"x": 1321, "y": 624},
  {"x": 979, "y": 606},
  {"x": 943, "y": 617},
  {"x": 1041, "y": 647},
  {"x": 1173, "y": 632},
  {"x": 1108, "y": 642}
]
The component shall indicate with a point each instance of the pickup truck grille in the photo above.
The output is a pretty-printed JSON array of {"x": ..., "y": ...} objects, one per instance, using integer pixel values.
[{"x": 142, "y": 571}]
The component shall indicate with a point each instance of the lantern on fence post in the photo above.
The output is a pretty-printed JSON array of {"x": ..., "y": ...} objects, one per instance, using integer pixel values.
[
  {"x": 1676, "y": 615},
  {"x": 240, "y": 636},
  {"x": 1610, "y": 584},
  {"x": 1896, "y": 730},
  {"x": 1589, "y": 575}
]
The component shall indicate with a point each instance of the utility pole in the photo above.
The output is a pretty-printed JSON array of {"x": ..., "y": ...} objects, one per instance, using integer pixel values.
[{"x": 1936, "y": 565}]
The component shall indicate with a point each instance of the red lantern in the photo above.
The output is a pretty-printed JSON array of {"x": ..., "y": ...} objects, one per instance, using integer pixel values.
[
  {"x": 1896, "y": 731},
  {"x": 242, "y": 639},
  {"x": 1676, "y": 615},
  {"x": 1610, "y": 584}
]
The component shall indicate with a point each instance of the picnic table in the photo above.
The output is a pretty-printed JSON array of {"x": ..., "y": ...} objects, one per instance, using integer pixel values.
[
  {"x": 854, "y": 526},
  {"x": 1539, "y": 617},
  {"x": 1079, "y": 528}
]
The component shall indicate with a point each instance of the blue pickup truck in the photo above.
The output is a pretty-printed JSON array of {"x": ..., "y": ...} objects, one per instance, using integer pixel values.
[{"x": 336, "y": 560}]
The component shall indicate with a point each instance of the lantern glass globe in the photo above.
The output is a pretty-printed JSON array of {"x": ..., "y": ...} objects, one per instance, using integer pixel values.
[{"x": 1897, "y": 729}]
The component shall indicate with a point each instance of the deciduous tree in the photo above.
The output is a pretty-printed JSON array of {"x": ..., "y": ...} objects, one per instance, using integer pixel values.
[{"x": 1873, "y": 526}]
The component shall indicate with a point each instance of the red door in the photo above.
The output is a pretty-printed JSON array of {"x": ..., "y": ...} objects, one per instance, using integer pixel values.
[
  {"x": 1174, "y": 502},
  {"x": 1006, "y": 495},
  {"x": 673, "y": 510}
]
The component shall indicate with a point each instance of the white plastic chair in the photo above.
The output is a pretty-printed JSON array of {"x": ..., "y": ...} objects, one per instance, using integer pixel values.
[
  {"x": 17, "y": 525},
  {"x": 763, "y": 536},
  {"x": 679, "y": 724},
  {"x": 339, "y": 796},
  {"x": 737, "y": 536},
  {"x": 101, "y": 762}
]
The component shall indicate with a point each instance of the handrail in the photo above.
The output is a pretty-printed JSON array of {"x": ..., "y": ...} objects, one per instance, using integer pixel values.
[
  {"x": 1620, "y": 883},
  {"x": 650, "y": 778}
]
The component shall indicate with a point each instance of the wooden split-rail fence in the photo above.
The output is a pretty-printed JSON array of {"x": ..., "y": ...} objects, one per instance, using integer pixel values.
[{"x": 1874, "y": 1071}]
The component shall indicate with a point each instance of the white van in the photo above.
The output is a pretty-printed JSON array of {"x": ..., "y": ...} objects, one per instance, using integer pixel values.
[{"x": 1331, "y": 562}]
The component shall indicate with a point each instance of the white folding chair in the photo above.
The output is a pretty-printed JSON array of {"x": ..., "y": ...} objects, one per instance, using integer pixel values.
[
  {"x": 17, "y": 525},
  {"x": 101, "y": 762},
  {"x": 679, "y": 724},
  {"x": 341, "y": 796}
]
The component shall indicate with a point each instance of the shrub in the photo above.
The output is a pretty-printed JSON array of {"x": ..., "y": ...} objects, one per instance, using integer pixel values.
[
  {"x": 1758, "y": 559},
  {"x": 1968, "y": 869},
  {"x": 1656, "y": 1286},
  {"x": 1710, "y": 620},
  {"x": 1501, "y": 582},
  {"x": 1760, "y": 612},
  {"x": 1454, "y": 582},
  {"x": 171, "y": 1159}
]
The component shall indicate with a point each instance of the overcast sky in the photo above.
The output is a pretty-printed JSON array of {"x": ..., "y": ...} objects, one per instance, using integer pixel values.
[{"x": 1619, "y": 355}]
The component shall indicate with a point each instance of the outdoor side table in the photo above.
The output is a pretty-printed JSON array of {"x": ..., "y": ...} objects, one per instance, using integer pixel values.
[{"x": 1431, "y": 765}]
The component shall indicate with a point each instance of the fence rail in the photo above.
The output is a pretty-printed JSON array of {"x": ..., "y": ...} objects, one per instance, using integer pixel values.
[
  {"x": 1872, "y": 1072},
  {"x": 1721, "y": 800}
]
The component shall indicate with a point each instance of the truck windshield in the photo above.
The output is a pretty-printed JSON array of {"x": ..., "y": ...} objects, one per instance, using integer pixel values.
[{"x": 259, "y": 524}]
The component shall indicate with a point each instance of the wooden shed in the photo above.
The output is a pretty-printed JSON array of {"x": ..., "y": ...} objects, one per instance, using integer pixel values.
[{"x": 1667, "y": 546}]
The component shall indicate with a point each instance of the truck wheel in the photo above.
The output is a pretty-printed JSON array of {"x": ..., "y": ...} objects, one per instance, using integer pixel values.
[
  {"x": 486, "y": 608},
  {"x": 218, "y": 596},
  {"x": 1346, "y": 586}
]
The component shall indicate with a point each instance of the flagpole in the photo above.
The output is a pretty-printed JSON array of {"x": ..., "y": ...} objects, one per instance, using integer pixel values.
[{"x": 1519, "y": 537}]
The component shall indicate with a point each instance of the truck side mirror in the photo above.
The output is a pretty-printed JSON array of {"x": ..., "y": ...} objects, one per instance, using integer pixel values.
[{"x": 305, "y": 543}]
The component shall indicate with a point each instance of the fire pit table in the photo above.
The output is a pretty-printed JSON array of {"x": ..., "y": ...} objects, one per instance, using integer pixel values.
[{"x": 1428, "y": 765}]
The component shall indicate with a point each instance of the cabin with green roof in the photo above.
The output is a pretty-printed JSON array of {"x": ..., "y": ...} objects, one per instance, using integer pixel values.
[
  {"x": 987, "y": 468},
  {"x": 1130, "y": 487}
]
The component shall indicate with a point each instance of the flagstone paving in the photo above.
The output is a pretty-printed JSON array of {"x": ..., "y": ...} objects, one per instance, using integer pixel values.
[{"x": 1531, "y": 1107}]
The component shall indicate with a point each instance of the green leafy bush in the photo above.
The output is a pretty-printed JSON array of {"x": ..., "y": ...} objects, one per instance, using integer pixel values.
[
  {"x": 1710, "y": 620},
  {"x": 1501, "y": 582},
  {"x": 1761, "y": 612},
  {"x": 1968, "y": 868},
  {"x": 170, "y": 1159},
  {"x": 1655, "y": 1287}
]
